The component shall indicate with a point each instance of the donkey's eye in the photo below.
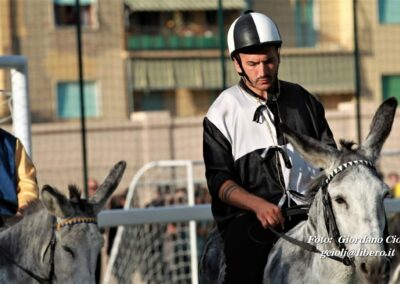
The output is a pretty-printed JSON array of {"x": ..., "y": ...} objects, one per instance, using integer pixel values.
[
  {"x": 69, "y": 250},
  {"x": 340, "y": 200}
]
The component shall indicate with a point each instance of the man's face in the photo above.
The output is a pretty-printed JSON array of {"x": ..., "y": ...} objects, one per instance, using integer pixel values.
[{"x": 261, "y": 68}]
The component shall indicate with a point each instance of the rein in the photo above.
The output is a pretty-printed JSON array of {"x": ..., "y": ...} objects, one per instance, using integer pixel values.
[
  {"x": 52, "y": 245},
  {"x": 329, "y": 217}
]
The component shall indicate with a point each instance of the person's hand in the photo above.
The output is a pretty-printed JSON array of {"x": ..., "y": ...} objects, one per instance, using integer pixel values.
[
  {"x": 269, "y": 214},
  {"x": 21, "y": 211}
]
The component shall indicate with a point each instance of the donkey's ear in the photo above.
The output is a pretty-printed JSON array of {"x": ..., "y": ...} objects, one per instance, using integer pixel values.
[
  {"x": 55, "y": 202},
  {"x": 107, "y": 188},
  {"x": 313, "y": 151},
  {"x": 380, "y": 129}
]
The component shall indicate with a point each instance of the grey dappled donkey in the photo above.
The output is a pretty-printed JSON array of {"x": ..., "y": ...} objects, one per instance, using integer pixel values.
[{"x": 58, "y": 240}]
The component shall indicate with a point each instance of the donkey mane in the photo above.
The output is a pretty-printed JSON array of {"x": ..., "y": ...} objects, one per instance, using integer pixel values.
[
  {"x": 348, "y": 145},
  {"x": 74, "y": 193}
]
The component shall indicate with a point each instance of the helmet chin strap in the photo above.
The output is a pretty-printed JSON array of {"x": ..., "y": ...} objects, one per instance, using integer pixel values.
[{"x": 241, "y": 73}]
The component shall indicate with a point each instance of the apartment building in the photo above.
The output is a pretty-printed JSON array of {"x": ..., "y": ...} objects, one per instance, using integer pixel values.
[
  {"x": 45, "y": 32},
  {"x": 175, "y": 61},
  {"x": 320, "y": 35},
  {"x": 379, "y": 39},
  {"x": 175, "y": 53},
  {"x": 175, "y": 56},
  {"x": 166, "y": 55}
]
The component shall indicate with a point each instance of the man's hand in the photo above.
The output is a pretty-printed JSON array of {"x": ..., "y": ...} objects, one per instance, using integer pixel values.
[
  {"x": 269, "y": 214},
  {"x": 21, "y": 211}
]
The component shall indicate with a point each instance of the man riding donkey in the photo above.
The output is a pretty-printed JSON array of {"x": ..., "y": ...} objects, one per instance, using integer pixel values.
[
  {"x": 18, "y": 185},
  {"x": 252, "y": 172}
]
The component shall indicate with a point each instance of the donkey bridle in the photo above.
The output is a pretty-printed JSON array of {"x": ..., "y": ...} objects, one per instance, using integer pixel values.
[
  {"x": 329, "y": 216},
  {"x": 51, "y": 245}
]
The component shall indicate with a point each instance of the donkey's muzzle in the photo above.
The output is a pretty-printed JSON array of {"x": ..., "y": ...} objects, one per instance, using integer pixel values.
[{"x": 375, "y": 269}]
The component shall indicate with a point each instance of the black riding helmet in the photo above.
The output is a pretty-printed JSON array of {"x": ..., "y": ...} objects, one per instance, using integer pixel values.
[{"x": 251, "y": 31}]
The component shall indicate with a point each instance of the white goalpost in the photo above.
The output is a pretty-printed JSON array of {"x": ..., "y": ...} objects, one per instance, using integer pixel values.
[
  {"x": 18, "y": 98},
  {"x": 163, "y": 247}
]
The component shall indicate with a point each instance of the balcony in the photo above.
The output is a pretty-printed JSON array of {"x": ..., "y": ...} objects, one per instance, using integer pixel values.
[
  {"x": 321, "y": 73},
  {"x": 159, "y": 42}
]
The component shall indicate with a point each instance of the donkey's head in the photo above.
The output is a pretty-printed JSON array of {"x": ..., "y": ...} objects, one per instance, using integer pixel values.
[
  {"x": 355, "y": 192},
  {"x": 77, "y": 237}
]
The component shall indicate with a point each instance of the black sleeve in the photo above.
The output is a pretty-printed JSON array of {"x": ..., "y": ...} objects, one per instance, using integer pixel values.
[
  {"x": 326, "y": 135},
  {"x": 218, "y": 159}
]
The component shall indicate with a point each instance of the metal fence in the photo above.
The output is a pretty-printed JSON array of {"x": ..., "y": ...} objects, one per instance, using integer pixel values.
[
  {"x": 146, "y": 71},
  {"x": 144, "y": 98}
]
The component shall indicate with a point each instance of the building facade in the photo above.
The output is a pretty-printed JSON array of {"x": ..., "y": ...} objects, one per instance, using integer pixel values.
[
  {"x": 45, "y": 32},
  {"x": 167, "y": 55}
]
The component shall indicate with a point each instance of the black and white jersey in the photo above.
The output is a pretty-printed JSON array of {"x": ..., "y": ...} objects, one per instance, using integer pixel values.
[{"x": 233, "y": 144}]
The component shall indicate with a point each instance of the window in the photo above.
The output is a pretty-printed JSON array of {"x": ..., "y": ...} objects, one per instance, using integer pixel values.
[
  {"x": 65, "y": 13},
  {"x": 391, "y": 86},
  {"x": 213, "y": 95},
  {"x": 389, "y": 11},
  {"x": 150, "y": 101},
  {"x": 304, "y": 23},
  {"x": 149, "y": 21},
  {"x": 68, "y": 100},
  {"x": 212, "y": 18}
]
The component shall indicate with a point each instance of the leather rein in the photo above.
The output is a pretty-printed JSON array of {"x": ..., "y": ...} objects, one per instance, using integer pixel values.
[
  {"x": 52, "y": 246},
  {"x": 329, "y": 216}
]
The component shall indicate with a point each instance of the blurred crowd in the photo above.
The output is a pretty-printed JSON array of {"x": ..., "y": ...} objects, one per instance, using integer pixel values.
[{"x": 393, "y": 181}]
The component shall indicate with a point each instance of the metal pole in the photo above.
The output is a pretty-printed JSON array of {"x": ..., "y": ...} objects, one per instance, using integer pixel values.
[
  {"x": 20, "y": 100},
  {"x": 222, "y": 42},
  {"x": 357, "y": 72},
  {"x": 81, "y": 95},
  {"x": 192, "y": 224}
]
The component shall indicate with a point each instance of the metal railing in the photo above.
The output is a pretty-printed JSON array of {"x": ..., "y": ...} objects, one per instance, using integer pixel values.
[{"x": 159, "y": 42}]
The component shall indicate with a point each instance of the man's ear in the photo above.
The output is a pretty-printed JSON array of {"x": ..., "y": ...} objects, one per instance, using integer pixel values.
[{"x": 237, "y": 65}]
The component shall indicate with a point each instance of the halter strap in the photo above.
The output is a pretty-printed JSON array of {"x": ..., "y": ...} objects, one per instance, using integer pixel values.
[
  {"x": 75, "y": 220},
  {"x": 344, "y": 166}
]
